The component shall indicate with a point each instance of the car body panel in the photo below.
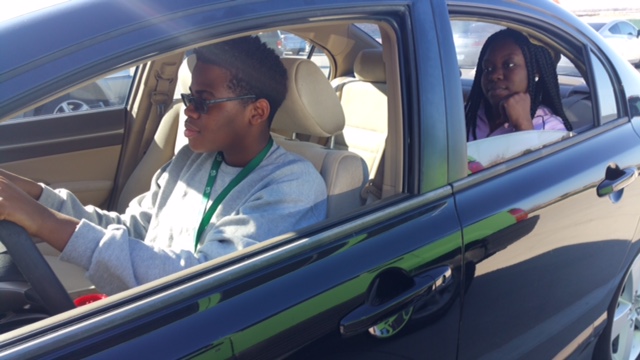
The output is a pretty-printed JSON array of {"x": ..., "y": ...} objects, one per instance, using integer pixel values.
[
  {"x": 534, "y": 269},
  {"x": 521, "y": 263},
  {"x": 457, "y": 251}
]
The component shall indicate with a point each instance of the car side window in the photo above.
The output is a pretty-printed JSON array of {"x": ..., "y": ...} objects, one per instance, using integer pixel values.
[
  {"x": 286, "y": 44},
  {"x": 615, "y": 29},
  {"x": 575, "y": 96},
  {"x": 627, "y": 29},
  {"x": 372, "y": 30},
  {"x": 606, "y": 96},
  {"x": 108, "y": 92}
]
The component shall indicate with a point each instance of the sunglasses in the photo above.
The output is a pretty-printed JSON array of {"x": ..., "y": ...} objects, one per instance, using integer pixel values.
[{"x": 202, "y": 106}]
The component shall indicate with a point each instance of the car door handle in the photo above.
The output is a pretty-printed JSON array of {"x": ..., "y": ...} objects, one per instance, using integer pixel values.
[
  {"x": 368, "y": 315},
  {"x": 616, "y": 179}
]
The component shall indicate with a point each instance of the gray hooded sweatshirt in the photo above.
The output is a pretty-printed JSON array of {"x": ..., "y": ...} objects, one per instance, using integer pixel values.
[{"x": 155, "y": 237}]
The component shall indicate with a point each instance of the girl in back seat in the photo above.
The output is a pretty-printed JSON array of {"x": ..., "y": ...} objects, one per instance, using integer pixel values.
[{"x": 515, "y": 88}]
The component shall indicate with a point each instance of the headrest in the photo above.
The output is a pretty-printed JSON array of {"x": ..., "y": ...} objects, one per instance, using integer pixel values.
[
  {"x": 311, "y": 106},
  {"x": 369, "y": 66},
  {"x": 184, "y": 75}
]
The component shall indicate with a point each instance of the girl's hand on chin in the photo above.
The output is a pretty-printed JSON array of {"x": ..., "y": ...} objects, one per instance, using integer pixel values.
[{"x": 516, "y": 108}]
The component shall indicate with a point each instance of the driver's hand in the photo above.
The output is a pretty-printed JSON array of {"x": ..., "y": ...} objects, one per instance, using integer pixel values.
[
  {"x": 27, "y": 185},
  {"x": 19, "y": 207}
]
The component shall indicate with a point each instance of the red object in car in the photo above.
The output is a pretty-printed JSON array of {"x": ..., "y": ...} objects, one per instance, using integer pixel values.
[{"x": 88, "y": 299}]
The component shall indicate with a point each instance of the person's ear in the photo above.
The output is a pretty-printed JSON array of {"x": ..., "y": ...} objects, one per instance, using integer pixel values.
[{"x": 259, "y": 111}]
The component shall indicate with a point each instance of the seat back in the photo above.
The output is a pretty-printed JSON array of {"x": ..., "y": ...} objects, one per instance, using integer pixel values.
[
  {"x": 364, "y": 100},
  {"x": 577, "y": 106},
  {"x": 312, "y": 108},
  {"x": 166, "y": 141}
]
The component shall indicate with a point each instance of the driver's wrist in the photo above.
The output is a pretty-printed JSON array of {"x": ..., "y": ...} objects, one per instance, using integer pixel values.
[
  {"x": 56, "y": 229},
  {"x": 35, "y": 190}
]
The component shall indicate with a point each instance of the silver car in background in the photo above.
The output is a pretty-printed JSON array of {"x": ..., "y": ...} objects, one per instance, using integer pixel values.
[{"x": 623, "y": 36}]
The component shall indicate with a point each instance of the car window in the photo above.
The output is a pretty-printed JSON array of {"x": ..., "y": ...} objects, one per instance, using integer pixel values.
[
  {"x": 615, "y": 29},
  {"x": 108, "y": 92},
  {"x": 575, "y": 93},
  {"x": 468, "y": 37},
  {"x": 371, "y": 30},
  {"x": 628, "y": 29},
  {"x": 286, "y": 44}
]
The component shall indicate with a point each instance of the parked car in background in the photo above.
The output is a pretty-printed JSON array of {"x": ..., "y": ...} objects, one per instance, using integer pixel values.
[
  {"x": 272, "y": 39},
  {"x": 468, "y": 38},
  {"x": 284, "y": 42},
  {"x": 106, "y": 92},
  {"x": 536, "y": 257},
  {"x": 291, "y": 44},
  {"x": 622, "y": 35}
]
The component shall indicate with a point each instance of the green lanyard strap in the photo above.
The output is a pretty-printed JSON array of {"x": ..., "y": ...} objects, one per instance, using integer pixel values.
[{"x": 213, "y": 173}]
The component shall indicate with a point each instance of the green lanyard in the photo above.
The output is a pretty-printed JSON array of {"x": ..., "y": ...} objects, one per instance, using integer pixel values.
[{"x": 213, "y": 173}]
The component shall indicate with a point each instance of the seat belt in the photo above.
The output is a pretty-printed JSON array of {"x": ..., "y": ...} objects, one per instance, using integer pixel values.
[
  {"x": 372, "y": 192},
  {"x": 161, "y": 98}
]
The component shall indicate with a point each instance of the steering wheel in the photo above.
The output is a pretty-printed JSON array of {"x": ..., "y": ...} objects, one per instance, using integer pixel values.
[{"x": 34, "y": 268}]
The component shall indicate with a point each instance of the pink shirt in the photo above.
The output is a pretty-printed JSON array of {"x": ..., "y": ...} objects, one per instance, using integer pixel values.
[{"x": 543, "y": 119}]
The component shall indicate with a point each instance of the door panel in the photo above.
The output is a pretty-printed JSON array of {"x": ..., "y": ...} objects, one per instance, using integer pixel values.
[
  {"x": 91, "y": 183},
  {"x": 552, "y": 283},
  {"x": 314, "y": 285},
  {"x": 77, "y": 151}
]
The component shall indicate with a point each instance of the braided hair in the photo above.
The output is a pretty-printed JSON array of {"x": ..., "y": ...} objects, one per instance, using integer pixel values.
[{"x": 545, "y": 91}]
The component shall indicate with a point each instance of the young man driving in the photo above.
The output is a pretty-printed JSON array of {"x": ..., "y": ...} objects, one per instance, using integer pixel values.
[{"x": 230, "y": 188}]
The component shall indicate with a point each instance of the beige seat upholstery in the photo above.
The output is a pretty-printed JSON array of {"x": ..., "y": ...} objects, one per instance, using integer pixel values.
[
  {"x": 312, "y": 108},
  {"x": 166, "y": 141},
  {"x": 161, "y": 150},
  {"x": 364, "y": 100}
]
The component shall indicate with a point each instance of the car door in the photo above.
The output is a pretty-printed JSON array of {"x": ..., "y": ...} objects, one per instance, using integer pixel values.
[
  {"x": 384, "y": 281},
  {"x": 38, "y": 144},
  {"x": 544, "y": 248},
  {"x": 87, "y": 140},
  {"x": 392, "y": 269}
]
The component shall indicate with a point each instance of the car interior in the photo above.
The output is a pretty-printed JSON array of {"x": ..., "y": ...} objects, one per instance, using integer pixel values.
[
  {"x": 343, "y": 112},
  {"x": 332, "y": 124}
]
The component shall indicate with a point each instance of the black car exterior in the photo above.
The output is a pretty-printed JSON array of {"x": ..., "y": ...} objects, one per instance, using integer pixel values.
[{"x": 526, "y": 259}]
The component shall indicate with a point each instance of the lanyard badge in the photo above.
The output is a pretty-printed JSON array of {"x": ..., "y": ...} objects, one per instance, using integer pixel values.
[{"x": 213, "y": 173}]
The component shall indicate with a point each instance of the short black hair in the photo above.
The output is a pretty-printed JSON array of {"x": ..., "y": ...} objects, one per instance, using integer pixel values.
[
  {"x": 539, "y": 60},
  {"x": 254, "y": 67}
]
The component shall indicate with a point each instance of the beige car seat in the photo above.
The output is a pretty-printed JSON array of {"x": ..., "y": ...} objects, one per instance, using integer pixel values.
[
  {"x": 161, "y": 150},
  {"x": 167, "y": 140},
  {"x": 312, "y": 108},
  {"x": 364, "y": 100}
]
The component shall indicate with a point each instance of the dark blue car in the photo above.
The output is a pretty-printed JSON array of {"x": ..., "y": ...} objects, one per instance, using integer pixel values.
[{"x": 517, "y": 246}]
